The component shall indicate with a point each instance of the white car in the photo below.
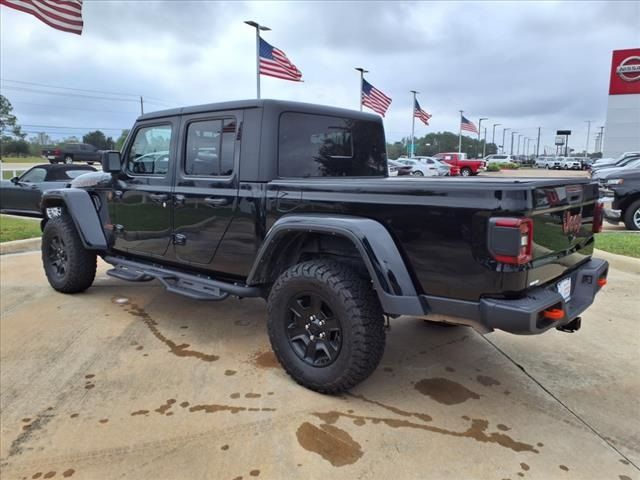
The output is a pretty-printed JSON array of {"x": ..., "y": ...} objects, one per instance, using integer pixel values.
[
  {"x": 543, "y": 162},
  {"x": 601, "y": 162},
  {"x": 419, "y": 168},
  {"x": 499, "y": 158},
  {"x": 571, "y": 163}
]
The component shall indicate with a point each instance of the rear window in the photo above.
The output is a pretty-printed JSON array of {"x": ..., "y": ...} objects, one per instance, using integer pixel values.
[{"x": 324, "y": 146}]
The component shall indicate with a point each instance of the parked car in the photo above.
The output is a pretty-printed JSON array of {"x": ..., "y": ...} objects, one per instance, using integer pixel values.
[
  {"x": 442, "y": 168},
  {"x": 499, "y": 158},
  {"x": 602, "y": 162},
  {"x": 467, "y": 167},
  {"x": 619, "y": 164},
  {"x": 401, "y": 169},
  {"x": 21, "y": 195},
  {"x": 543, "y": 162},
  {"x": 555, "y": 163},
  {"x": 603, "y": 173},
  {"x": 621, "y": 196},
  {"x": 308, "y": 220},
  {"x": 571, "y": 163},
  {"x": 420, "y": 169},
  {"x": 72, "y": 152}
]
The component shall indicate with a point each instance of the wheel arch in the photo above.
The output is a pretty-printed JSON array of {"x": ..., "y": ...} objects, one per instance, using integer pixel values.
[
  {"x": 358, "y": 239},
  {"x": 79, "y": 205}
]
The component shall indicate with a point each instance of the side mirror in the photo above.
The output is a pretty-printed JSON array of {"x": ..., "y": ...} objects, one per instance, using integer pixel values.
[
  {"x": 111, "y": 162},
  {"x": 15, "y": 180}
]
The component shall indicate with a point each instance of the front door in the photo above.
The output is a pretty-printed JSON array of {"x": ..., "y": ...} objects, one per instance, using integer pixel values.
[
  {"x": 140, "y": 203},
  {"x": 205, "y": 196}
]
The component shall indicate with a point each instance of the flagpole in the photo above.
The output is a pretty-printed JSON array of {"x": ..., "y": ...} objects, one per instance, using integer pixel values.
[
  {"x": 362, "y": 72},
  {"x": 413, "y": 125},
  {"x": 460, "y": 134},
  {"x": 258, "y": 27}
]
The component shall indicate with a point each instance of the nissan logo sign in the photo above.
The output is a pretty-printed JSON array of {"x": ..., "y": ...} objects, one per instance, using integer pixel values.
[{"x": 629, "y": 69}]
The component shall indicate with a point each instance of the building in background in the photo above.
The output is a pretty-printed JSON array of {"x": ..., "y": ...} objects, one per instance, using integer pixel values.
[{"x": 622, "y": 127}]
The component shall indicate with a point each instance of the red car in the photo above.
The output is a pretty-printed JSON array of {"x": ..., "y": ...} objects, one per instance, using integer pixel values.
[{"x": 467, "y": 167}]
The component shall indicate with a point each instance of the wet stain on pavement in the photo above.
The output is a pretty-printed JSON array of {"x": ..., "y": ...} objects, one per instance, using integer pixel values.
[
  {"x": 476, "y": 431},
  {"x": 181, "y": 350},
  {"x": 524, "y": 467},
  {"x": 224, "y": 447},
  {"x": 49, "y": 475},
  {"x": 487, "y": 381},
  {"x": 235, "y": 395},
  {"x": 230, "y": 373},
  {"x": 184, "y": 404},
  {"x": 624, "y": 477},
  {"x": 252, "y": 395},
  {"x": 254, "y": 473},
  {"x": 68, "y": 473},
  {"x": 104, "y": 420},
  {"x": 422, "y": 416},
  {"x": 445, "y": 391},
  {"x": 563, "y": 467},
  {"x": 213, "y": 408},
  {"x": 504, "y": 428},
  {"x": 139, "y": 412},
  {"x": 450, "y": 369},
  {"x": 265, "y": 360},
  {"x": 330, "y": 442},
  {"x": 162, "y": 409},
  {"x": 624, "y": 462},
  {"x": 89, "y": 376}
]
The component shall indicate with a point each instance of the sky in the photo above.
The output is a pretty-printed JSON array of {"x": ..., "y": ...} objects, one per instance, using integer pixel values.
[{"x": 522, "y": 64}]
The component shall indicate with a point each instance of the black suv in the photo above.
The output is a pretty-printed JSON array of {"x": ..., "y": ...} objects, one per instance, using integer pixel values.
[
  {"x": 291, "y": 202},
  {"x": 623, "y": 187}
]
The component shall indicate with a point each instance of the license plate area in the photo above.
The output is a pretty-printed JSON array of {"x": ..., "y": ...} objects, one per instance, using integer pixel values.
[{"x": 564, "y": 288}]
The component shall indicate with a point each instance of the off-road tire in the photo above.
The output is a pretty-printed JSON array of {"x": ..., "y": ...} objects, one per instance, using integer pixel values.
[
  {"x": 60, "y": 239},
  {"x": 629, "y": 214},
  {"x": 355, "y": 304}
]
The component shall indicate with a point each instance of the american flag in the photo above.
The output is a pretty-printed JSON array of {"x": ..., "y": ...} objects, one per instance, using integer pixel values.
[
  {"x": 467, "y": 125},
  {"x": 421, "y": 114},
  {"x": 65, "y": 15},
  {"x": 374, "y": 98},
  {"x": 274, "y": 63}
]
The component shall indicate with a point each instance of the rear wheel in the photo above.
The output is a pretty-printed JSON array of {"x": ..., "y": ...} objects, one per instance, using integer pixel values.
[
  {"x": 326, "y": 325},
  {"x": 632, "y": 216},
  {"x": 418, "y": 173},
  {"x": 466, "y": 172},
  {"x": 70, "y": 268}
]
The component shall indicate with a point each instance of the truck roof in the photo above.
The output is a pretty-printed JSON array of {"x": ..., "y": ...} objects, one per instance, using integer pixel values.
[{"x": 278, "y": 105}]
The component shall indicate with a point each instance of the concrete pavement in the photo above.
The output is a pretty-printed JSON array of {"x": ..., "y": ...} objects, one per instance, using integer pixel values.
[{"x": 126, "y": 380}]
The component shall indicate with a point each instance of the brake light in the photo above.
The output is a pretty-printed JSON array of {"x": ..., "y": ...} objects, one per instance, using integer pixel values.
[
  {"x": 57, "y": 151},
  {"x": 598, "y": 214},
  {"x": 512, "y": 240}
]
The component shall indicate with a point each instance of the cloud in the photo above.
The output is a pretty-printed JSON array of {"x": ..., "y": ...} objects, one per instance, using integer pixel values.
[{"x": 522, "y": 64}]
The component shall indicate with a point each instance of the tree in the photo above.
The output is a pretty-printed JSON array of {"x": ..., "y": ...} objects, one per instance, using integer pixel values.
[
  {"x": 121, "y": 139},
  {"x": 98, "y": 140},
  {"x": 10, "y": 131}
]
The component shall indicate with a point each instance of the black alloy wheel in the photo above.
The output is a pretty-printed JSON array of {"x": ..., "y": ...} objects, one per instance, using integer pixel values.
[
  {"x": 57, "y": 254},
  {"x": 313, "y": 330}
]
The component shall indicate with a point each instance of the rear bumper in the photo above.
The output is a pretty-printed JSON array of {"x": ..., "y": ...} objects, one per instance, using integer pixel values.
[{"x": 525, "y": 315}]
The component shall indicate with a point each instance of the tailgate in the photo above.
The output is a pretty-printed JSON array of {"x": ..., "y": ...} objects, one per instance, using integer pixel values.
[{"x": 562, "y": 229}]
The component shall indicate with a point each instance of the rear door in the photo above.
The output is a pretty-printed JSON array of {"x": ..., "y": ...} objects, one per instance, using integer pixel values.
[
  {"x": 140, "y": 206},
  {"x": 206, "y": 190}
]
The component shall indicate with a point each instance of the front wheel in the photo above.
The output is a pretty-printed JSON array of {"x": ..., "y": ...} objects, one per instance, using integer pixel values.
[
  {"x": 70, "y": 268},
  {"x": 68, "y": 159},
  {"x": 325, "y": 325},
  {"x": 466, "y": 172},
  {"x": 632, "y": 216}
]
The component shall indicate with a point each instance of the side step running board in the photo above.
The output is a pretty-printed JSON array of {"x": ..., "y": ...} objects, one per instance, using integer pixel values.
[{"x": 192, "y": 286}]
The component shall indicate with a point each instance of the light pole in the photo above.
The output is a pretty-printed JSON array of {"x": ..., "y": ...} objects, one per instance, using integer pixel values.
[
  {"x": 586, "y": 148},
  {"x": 480, "y": 129},
  {"x": 493, "y": 134},
  {"x": 520, "y": 135},
  {"x": 484, "y": 143},
  {"x": 504, "y": 130},
  {"x": 362, "y": 72},
  {"x": 512, "y": 135},
  {"x": 258, "y": 28}
]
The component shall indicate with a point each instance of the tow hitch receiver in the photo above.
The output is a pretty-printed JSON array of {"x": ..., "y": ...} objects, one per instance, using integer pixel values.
[{"x": 572, "y": 326}]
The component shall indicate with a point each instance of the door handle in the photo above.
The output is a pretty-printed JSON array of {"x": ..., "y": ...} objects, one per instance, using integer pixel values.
[
  {"x": 216, "y": 201},
  {"x": 158, "y": 197}
]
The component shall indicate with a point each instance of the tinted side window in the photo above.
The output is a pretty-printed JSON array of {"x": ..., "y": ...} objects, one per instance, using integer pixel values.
[
  {"x": 210, "y": 147},
  {"x": 150, "y": 151},
  {"x": 34, "y": 175},
  {"x": 323, "y": 146}
]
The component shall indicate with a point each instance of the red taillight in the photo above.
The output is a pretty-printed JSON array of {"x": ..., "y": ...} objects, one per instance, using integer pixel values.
[
  {"x": 598, "y": 214},
  {"x": 57, "y": 151},
  {"x": 525, "y": 239}
]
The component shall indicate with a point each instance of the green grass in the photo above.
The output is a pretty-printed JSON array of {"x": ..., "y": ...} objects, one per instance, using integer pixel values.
[
  {"x": 620, "y": 243},
  {"x": 18, "y": 228},
  {"x": 23, "y": 160}
]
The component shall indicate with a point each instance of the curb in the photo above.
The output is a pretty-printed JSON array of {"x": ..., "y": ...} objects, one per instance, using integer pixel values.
[
  {"x": 619, "y": 262},
  {"x": 20, "y": 246}
]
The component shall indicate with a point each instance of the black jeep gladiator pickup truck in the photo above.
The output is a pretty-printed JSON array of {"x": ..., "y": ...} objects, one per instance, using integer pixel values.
[{"x": 292, "y": 203}]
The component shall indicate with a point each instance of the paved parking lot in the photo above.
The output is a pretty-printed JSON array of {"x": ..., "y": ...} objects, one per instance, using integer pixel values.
[{"x": 128, "y": 381}]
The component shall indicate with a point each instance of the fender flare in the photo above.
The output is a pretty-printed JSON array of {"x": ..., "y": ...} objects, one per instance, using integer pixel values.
[
  {"x": 385, "y": 264},
  {"x": 80, "y": 207}
]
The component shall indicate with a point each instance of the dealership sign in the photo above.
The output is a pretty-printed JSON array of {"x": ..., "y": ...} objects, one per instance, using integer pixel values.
[{"x": 625, "y": 72}]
